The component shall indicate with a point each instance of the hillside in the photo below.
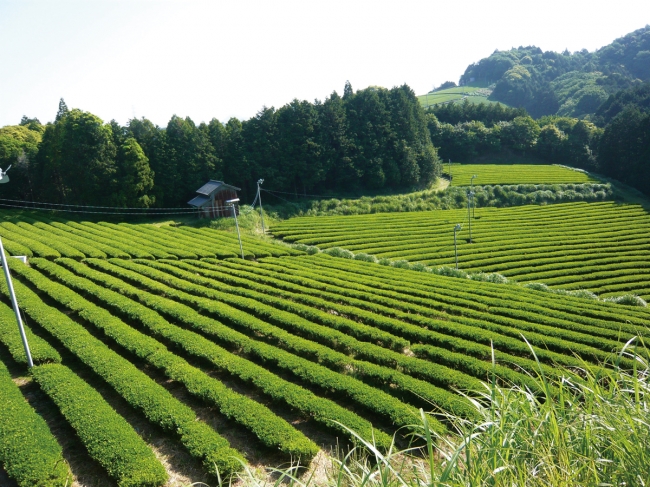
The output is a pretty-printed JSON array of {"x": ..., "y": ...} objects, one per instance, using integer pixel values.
[
  {"x": 161, "y": 356},
  {"x": 567, "y": 84}
]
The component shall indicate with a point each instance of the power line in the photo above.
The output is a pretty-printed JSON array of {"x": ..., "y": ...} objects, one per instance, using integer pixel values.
[
  {"x": 108, "y": 212},
  {"x": 90, "y": 206},
  {"x": 302, "y": 195}
]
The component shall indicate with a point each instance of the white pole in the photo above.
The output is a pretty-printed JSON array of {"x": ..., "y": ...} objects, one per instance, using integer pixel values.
[
  {"x": 14, "y": 303},
  {"x": 259, "y": 197},
  {"x": 470, "y": 195},
  {"x": 456, "y": 228},
  {"x": 234, "y": 213}
]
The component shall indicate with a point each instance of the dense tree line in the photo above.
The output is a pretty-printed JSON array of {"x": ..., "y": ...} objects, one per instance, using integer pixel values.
[
  {"x": 566, "y": 84},
  {"x": 370, "y": 139},
  {"x": 559, "y": 140},
  {"x": 486, "y": 113}
]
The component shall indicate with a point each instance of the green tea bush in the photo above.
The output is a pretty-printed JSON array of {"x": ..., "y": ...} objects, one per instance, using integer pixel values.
[
  {"x": 29, "y": 452},
  {"x": 111, "y": 441}
]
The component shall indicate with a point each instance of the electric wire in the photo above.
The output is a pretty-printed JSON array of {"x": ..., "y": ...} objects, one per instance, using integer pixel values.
[{"x": 141, "y": 213}]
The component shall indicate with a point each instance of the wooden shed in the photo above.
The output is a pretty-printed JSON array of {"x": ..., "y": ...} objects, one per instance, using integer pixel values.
[{"x": 210, "y": 199}]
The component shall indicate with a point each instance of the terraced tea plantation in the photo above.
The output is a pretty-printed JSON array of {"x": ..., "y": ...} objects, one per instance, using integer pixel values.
[
  {"x": 53, "y": 238},
  {"x": 162, "y": 357},
  {"x": 603, "y": 247},
  {"x": 221, "y": 357},
  {"x": 515, "y": 174}
]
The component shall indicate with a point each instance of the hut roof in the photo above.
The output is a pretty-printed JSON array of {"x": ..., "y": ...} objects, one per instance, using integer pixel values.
[
  {"x": 213, "y": 186},
  {"x": 205, "y": 192}
]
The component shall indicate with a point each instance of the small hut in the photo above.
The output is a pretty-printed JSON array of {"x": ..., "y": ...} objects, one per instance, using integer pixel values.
[{"x": 210, "y": 199}]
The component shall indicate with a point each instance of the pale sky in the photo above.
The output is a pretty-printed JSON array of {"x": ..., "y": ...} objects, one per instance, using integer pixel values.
[{"x": 221, "y": 59}]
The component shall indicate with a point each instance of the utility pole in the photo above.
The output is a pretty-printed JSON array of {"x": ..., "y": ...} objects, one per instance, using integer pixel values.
[
  {"x": 234, "y": 214},
  {"x": 12, "y": 295},
  {"x": 456, "y": 229},
  {"x": 14, "y": 304},
  {"x": 470, "y": 195},
  {"x": 259, "y": 182},
  {"x": 471, "y": 183}
]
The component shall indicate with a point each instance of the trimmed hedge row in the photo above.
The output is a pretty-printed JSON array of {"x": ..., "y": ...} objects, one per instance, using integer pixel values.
[
  {"x": 125, "y": 247},
  {"x": 446, "y": 329},
  {"x": 515, "y": 294},
  {"x": 109, "y": 230},
  {"x": 28, "y": 231},
  {"x": 322, "y": 410},
  {"x": 83, "y": 238},
  {"x": 455, "y": 351},
  {"x": 145, "y": 395},
  {"x": 109, "y": 439},
  {"x": 381, "y": 371},
  {"x": 272, "y": 430},
  {"x": 35, "y": 247},
  {"x": 220, "y": 251},
  {"x": 452, "y": 378},
  {"x": 532, "y": 311},
  {"x": 119, "y": 240},
  {"x": 253, "y": 304},
  {"x": 187, "y": 272},
  {"x": 29, "y": 452},
  {"x": 556, "y": 339},
  {"x": 41, "y": 351},
  {"x": 152, "y": 238},
  {"x": 88, "y": 249},
  {"x": 14, "y": 248}
]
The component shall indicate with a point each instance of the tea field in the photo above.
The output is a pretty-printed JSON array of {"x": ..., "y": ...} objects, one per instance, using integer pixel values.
[
  {"x": 515, "y": 174},
  {"x": 602, "y": 246},
  {"x": 162, "y": 357}
]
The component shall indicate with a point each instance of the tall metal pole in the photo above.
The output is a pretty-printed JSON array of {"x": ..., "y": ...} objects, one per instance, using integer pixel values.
[
  {"x": 456, "y": 228},
  {"x": 471, "y": 181},
  {"x": 259, "y": 197},
  {"x": 234, "y": 213},
  {"x": 14, "y": 303},
  {"x": 470, "y": 195}
]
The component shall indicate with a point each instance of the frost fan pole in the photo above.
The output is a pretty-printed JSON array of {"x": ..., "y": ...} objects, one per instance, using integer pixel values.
[
  {"x": 14, "y": 303},
  {"x": 259, "y": 197},
  {"x": 456, "y": 228},
  {"x": 234, "y": 214},
  {"x": 5, "y": 267}
]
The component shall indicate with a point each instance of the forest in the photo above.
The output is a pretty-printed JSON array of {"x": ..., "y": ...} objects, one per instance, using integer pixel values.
[
  {"x": 587, "y": 110},
  {"x": 371, "y": 139},
  {"x": 565, "y": 84}
]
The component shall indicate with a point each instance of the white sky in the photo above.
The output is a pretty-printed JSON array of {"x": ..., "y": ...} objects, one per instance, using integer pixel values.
[{"x": 206, "y": 59}]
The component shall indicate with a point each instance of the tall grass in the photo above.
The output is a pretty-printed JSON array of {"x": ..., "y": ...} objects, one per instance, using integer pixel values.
[{"x": 590, "y": 428}]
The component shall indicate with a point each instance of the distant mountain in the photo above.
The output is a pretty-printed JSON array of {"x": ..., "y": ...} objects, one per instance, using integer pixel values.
[{"x": 570, "y": 84}]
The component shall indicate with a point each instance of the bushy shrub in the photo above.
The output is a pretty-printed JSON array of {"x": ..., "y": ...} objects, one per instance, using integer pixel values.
[
  {"x": 450, "y": 272},
  {"x": 419, "y": 267},
  {"x": 401, "y": 264},
  {"x": 366, "y": 257},
  {"x": 384, "y": 261},
  {"x": 627, "y": 299},
  {"x": 537, "y": 286},
  {"x": 312, "y": 250},
  {"x": 492, "y": 277},
  {"x": 339, "y": 252}
]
